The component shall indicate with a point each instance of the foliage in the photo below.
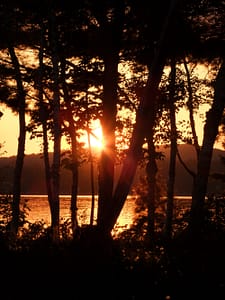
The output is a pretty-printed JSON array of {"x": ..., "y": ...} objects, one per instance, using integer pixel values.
[
  {"x": 215, "y": 211},
  {"x": 6, "y": 213},
  {"x": 132, "y": 257}
]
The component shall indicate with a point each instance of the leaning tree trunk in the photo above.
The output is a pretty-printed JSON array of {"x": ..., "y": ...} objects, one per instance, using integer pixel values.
[
  {"x": 144, "y": 120},
  {"x": 213, "y": 119},
  {"x": 21, "y": 144}
]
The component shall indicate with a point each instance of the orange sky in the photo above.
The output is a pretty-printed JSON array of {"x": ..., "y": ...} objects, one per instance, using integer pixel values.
[
  {"x": 9, "y": 134},
  {"x": 9, "y": 122}
]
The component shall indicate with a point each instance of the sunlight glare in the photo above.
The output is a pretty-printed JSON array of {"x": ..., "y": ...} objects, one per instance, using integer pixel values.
[{"x": 96, "y": 138}]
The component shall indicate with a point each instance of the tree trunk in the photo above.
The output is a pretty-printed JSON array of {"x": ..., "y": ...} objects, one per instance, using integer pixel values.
[
  {"x": 173, "y": 150},
  {"x": 112, "y": 31},
  {"x": 43, "y": 118},
  {"x": 213, "y": 119},
  {"x": 108, "y": 123},
  {"x": 151, "y": 171},
  {"x": 74, "y": 189},
  {"x": 21, "y": 143},
  {"x": 191, "y": 110},
  {"x": 144, "y": 121},
  {"x": 56, "y": 131},
  {"x": 92, "y": 180},
  {"x": 73, "y": 138}
]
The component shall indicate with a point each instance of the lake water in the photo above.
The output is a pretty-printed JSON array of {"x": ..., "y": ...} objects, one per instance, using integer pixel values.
[{"x": 39, "y": 209}]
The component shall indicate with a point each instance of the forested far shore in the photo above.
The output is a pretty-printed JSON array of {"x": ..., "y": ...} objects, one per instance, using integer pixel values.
[{"x": 33, "y": 174}]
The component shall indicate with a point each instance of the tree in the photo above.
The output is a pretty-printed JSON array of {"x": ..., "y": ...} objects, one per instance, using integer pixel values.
[
  {"x": 213, "y": 120},
  {"x": 21, "y": 143},
  {"x": 71, "y": 128},
  {"x": 173, "y": 152},
  {"x": 11, "y": 30},
  {"x": 209, "y": 48},
  {"x": 144, "y": 121},
  {"x": 111, "y": 25},
  {"x": 43, "y": 116},
  {"x": 53, "y": 32}
]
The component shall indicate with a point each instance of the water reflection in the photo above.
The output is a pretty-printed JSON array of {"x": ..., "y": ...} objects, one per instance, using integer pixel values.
[{"x": 40, "y": 211}]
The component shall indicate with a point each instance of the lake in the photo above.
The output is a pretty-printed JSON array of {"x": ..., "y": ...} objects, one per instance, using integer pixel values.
[{"x": 39, "y": 209}]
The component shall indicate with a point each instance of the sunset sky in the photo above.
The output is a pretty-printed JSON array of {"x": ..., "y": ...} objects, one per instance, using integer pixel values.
[
  {"x": 9, "y": 122},
  {"x": 9, "y": 134}
]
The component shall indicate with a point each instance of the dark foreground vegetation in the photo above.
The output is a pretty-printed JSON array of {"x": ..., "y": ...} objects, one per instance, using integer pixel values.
[{"x": 127, "y": 266}]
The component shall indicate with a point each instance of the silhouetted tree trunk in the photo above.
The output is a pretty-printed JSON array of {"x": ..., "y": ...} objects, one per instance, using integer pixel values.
[
  {"x": 213, "y": 119},
  {"x": 173, "y": 151},
  {"x": 151, "y": 171},
  {"x": 74, "y": 189},
  {"x": 43, "y": 118},
  {"x": 56, "y": 129},
  {"x": 73, "y": 137},
  {"x": 191, "y": 110},
  {"x": 21, "y": 142},
  {"x": 111, "y": 35},
  {"x": 108, "y": 123},
  {"x": 144, "y": 121},
  {"x": 92, "y": 180}
]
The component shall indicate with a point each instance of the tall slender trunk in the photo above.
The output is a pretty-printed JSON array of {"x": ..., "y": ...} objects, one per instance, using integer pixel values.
[
  {"x": 213, "y": 119},
  {"x": 151, "y": 171},
  {"x": 144, "y": 120},
  {"x": 74, "y": 188},
  {"x": 43, "y": 118},
  {"x": 92, "y": 180},
  {"x": 191, "y": 110},
  {"x": 21, "y": 143},
  {"x": 173, "y": 151},
  {"x": 74, "y": 159},
  {"x": 56, "y": 130}
]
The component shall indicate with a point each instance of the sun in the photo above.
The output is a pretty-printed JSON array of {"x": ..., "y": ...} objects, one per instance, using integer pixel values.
[
  {"x": 91, "y": 137},
  {"x": 96, "y": 141}
]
